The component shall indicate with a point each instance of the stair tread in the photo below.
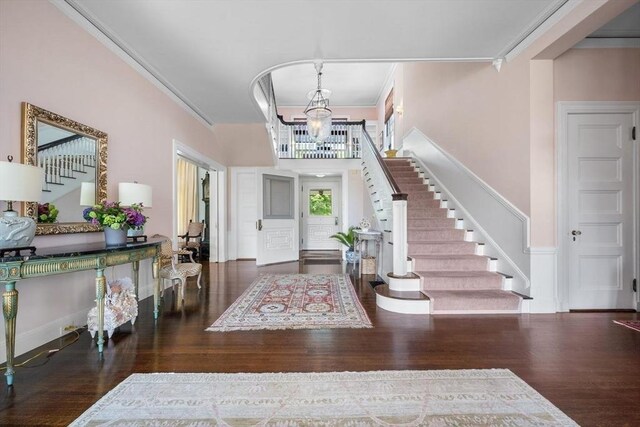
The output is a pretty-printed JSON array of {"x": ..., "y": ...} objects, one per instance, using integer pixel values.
[
  {"x": 471, "y": 273},
  {"x": 448, "y": 256},
  {"x": 439, "y": 242},
  {"x": 401, "y": 295},
  {"x": 474, "y": 295}
]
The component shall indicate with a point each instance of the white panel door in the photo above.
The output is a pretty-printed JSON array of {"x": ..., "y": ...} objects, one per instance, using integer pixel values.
[
  {"x": 600, "y": 211},
  {"x": 278, "y": 213},
  {"x": 320, "y": 214},
  {"x": 246, "y": 193}
]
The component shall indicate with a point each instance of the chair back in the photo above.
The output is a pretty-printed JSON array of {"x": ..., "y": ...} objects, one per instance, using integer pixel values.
[{"x": 195, "y": 229}]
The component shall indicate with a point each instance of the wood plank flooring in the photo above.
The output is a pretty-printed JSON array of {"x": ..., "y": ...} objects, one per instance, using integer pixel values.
[{"x": 582, "y": 362}]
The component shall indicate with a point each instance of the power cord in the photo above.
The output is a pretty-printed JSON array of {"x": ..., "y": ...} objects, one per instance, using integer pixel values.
[{"x": 49, "y": 353}]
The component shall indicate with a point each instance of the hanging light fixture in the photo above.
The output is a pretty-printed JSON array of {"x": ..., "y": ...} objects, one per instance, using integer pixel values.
[{"x": 317, "y": 111}]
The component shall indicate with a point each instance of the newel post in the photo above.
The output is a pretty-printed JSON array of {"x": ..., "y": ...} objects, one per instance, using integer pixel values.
[{"x": 399, "y": 233}]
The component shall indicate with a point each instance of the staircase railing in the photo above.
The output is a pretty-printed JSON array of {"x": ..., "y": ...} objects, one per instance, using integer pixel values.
[
  {"x": 344, "y": 141},
  {"x": 389, "y": 202},
  {"x": 66, "y": 160}
]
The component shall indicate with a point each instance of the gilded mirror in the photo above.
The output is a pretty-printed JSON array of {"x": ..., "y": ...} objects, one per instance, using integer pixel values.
[{"x": 73, "y": 156}]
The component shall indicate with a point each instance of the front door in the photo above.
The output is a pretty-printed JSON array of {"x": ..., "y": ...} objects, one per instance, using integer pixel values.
[
  {"x": 277, "y": 216},
  {"x": 600, "y": 216},
  {"x": 320, "y": 214}
]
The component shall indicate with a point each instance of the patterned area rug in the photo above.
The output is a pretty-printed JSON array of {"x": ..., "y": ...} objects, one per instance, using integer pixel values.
[
  {"x": 295, "y": 301},
  {"x": 631, "y": 324},
  {"x": 493, "y": 397}
]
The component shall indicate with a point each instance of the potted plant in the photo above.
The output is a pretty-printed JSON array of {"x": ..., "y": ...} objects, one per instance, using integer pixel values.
[
  {"x": 47, "y": 213},
  {"x": 390, "y": 152},
  {"x": 115, "y": 220},
  {"x": 347, "y": 239}
]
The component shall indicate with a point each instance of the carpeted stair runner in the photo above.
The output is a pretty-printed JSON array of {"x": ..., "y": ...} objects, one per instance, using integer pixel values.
[{"x": 453, "y": 277}]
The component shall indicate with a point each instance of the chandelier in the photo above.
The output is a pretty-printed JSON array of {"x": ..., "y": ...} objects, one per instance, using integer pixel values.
[{"x": 317, "y": 111}]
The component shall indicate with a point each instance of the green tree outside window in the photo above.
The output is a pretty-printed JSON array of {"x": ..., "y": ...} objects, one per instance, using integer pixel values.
[{"x": 320, "y": 202}]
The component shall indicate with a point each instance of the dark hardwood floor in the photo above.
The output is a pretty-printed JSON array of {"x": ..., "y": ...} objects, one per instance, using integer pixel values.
[{"x": 582, "y": 362}]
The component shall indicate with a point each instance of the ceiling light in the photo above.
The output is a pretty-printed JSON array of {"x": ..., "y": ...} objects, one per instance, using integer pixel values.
[
  {"x": 318, "y": 112},
  {"x": 320, "y": 175}
]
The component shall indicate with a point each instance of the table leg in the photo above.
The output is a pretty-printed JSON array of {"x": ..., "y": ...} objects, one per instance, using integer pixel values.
[
  {"x": 136, "y": 275},
  {"x": 156, "y": 289},
  {"x": 100, "y": 292},
  {"x": 10, "y": 311}
]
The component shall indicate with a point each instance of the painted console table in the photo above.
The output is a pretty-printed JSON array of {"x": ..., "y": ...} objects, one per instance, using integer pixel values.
[{"x": 67, "y": 259}]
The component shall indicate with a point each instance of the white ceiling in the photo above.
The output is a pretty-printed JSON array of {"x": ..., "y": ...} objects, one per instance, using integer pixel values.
[
  {"x": 209, "y": 52},
  {"x": 352, "y": 84},
  {"x": 626, "y": 25}
]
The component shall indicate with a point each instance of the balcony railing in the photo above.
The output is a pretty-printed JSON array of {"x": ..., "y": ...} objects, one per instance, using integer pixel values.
[{"x": 344, "y": 142}]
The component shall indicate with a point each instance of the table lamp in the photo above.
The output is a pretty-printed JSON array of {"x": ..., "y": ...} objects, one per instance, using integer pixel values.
[
  {"x": 88, "y": 194},
  {"x": 18, "y": 183},
  {"x": 130, "y": 193}
]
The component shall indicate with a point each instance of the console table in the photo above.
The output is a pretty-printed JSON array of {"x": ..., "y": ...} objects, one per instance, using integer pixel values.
[{"x": 67, "y": 259}]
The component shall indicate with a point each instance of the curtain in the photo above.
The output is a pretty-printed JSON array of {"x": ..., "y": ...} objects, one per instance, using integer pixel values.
[{"x": 187, "y": 194}]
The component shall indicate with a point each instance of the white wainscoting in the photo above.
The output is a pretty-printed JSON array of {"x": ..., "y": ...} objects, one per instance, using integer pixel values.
[
  {"x": 544, "y": 280},
  {"x": 497, "y": 223}
]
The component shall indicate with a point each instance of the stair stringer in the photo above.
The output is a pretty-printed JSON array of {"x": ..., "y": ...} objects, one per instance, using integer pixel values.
[{"x": 519, "y": 283}]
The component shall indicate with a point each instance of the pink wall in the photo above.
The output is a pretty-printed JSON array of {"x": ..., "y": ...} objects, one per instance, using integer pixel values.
[
  {"x": 51, "y": 62},
  {"x": 246, "y": 144},
  {"x": 478, "y": 115},
  {"x": 48, "y": 60},
  {"x": 597, "y": 75}
]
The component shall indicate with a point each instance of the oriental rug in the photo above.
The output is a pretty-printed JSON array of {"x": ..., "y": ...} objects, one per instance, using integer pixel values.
[
  {"x": 631, "y": 324},
  {"x": 295, "y": 301},
  {"x": 493, "y": 397}
]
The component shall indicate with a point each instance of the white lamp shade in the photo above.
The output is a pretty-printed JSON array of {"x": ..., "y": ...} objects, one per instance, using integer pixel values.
[
  {"x": 88, "y": 194},
  {"x": 20, "y": 183},
  {"x": 130, "y": 193}
]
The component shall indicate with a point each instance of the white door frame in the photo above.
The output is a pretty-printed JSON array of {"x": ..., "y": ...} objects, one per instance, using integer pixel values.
[
  {"x": 563, "y": 110},
  {"x": 217, "y": 217},
  {"x": 311, "y": 180}
]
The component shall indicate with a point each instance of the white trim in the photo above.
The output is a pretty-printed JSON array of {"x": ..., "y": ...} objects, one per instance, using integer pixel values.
[
  {"x": 544, "y": 280},
  {"x": 92, "y": 26},
  {"x": 403, "y": 306},
  {"x": 563, "y": 110},
  {"x": 608, "y": 42},
  {"x": 552, "y": 20},
  {"x": 232, "y": 250},
  {"x": 417, "y": 144},
  {"x": 217, "y": 217}
]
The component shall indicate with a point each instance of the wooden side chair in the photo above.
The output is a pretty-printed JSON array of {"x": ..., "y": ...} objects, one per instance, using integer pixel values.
[
  {"x": 178, "y": 272},
  {"x": 193, "y": 238}
]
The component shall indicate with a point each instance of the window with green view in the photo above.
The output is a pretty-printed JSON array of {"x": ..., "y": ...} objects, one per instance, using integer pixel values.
[{"x": 320, "y": 203}]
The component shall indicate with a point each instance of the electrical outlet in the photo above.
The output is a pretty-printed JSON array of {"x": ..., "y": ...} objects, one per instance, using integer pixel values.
[{"x": 69, "y": 328}]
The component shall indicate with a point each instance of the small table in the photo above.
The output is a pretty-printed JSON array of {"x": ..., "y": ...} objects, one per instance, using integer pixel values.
[
  {"x": 368, "y": 258},
  {"x": 67, "y": 259}
]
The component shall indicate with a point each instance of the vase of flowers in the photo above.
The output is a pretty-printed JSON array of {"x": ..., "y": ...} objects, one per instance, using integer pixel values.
[
  {"x": 115, "y": 220},
  {"x": 47, "y": 213},
  {"x": 135, "y": 219}
]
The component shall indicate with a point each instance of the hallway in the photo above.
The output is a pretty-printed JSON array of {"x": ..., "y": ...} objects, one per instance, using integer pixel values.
[{"x": 583, "y": 363}]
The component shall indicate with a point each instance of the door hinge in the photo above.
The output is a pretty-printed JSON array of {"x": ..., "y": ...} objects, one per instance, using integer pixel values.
[
  {"x": 301, "y": 240},
  {"x": 301, "y": 214},
  {"x": 633, "y": 133},
  {"x": 635, "y": 285}
]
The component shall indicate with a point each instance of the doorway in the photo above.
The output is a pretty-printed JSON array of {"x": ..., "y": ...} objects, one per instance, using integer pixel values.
[
  {"x": 598, "y": 208},
  {"x": 321, "y": 213}
]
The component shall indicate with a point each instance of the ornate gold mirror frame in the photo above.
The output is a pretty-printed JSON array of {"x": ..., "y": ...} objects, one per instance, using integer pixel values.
[{"x": 31, "y": 117}]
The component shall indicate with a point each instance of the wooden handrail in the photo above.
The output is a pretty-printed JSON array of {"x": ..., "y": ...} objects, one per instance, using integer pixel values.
[
  {"x": 284, "y": 122},
  {"x": 59, "y": 142},
  {"x": 397, "y": 193}
]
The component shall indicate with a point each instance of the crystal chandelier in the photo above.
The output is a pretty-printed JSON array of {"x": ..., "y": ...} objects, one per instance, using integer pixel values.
[{"x": 317, "y": 111}]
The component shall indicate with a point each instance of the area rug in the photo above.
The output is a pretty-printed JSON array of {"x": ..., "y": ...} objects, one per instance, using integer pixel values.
[
  {"x": 295, "y": 301},
  {"x": 631, "y": 324},
  {"x": 493, "y": 397}
]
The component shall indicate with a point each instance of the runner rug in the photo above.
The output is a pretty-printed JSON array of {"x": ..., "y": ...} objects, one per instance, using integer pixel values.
[
  {"x": 295, "y": 301},
  {"x": 493, "y": 397},
  {"x": 631, "y": 324}
]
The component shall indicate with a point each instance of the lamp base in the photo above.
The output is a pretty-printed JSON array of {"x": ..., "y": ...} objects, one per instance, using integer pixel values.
[
  {"x": 16, "y": 231},
  {"x": 17, "y": 251}
]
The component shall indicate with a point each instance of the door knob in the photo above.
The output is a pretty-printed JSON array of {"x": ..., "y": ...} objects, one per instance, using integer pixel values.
[
  {"x": 576, "y": 232},
  {"x": 259, "y": 225},
  {"x": 336, "y": 221}
]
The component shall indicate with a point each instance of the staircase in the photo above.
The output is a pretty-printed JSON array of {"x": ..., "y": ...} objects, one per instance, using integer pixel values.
[{"x": 452, "y": 271}]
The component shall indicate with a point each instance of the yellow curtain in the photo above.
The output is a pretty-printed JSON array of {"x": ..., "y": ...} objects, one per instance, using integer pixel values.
[{"x": 187, "y": 194}]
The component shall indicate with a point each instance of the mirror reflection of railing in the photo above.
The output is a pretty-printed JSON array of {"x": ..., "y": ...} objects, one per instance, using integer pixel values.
[
  {"x": 294, "y": 142},
  {"x": 68, "y": 163}
]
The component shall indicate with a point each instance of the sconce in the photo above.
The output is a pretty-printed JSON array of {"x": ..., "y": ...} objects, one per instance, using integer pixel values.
[{"x": 400, "y": 109}]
